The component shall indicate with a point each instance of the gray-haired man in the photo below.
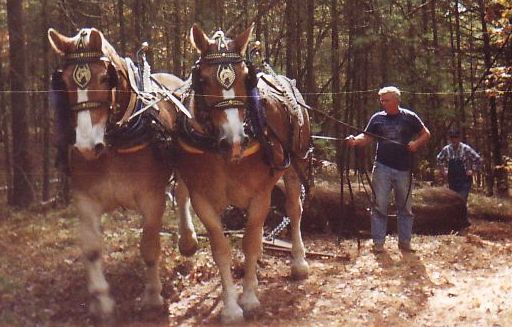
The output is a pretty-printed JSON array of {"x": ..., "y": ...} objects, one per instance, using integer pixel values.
[{"x": 396, "y": 128}]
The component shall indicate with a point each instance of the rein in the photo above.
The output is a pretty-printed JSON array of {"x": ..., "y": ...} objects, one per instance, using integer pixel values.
[{"x": 357, "y": 129}]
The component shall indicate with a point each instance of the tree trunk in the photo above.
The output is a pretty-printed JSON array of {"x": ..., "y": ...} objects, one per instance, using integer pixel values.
[
  {"x": 453, "y": 69},
  {"x": 290, "y": 13},
  {"x": 259, "y": 12},
  {"x": 310, "y": 52},
  {"x": 46, "y": 111},
  {"x": 122, "y": 29},
  {"x": 336, "y": 100},
  {"x": 460, "y": 86},
  {"x": 177, "y": 52},
  {"x": 499, "y": 173},
  {"x": 137, "y": 13},
  {"x": 5, "y": 136},
  {"x": 23, "y": 193},
  {"x": 297, "y": 45},
  {"x": 411, "y": 50}
]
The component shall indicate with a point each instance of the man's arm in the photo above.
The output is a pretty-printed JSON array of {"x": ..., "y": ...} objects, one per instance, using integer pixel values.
[
  {"x": 474, "y": 158},
  {"x": 422, "y": 139},
  {"x": 442, "y": 157},
  {"x": 442, "y": 160},
  {"x": 359, "y": 140}
]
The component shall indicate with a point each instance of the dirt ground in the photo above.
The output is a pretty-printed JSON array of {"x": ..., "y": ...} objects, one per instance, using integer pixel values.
[{"x": 451, "y": 280}]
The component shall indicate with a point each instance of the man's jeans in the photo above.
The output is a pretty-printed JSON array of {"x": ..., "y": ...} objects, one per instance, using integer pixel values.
[
  {"x": 385, "y": 179},
  {"x": 463, "y": 188}
]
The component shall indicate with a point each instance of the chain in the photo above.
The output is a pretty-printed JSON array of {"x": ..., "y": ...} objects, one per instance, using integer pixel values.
[{"x": 279, "y": 228}]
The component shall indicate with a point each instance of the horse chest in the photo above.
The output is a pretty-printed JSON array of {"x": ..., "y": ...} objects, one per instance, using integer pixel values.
[
  {"x": 117, "y": 180},
  {"x": 211, "y": 177}
]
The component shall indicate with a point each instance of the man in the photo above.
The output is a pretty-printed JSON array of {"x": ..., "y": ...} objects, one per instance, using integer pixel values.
[
  {"x": 395, "y": 129},
  {"x": 457, "y": 161}
]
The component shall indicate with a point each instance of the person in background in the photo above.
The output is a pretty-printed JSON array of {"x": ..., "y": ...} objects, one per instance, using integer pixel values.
[
  {"x": 399, "y": 133},
  {"x": 457, "y": 162}
]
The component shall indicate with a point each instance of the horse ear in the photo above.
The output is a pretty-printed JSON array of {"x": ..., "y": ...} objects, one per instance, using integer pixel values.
[
  {"x": 95, "y": 39},
  {"x": 242, "y": 40},
  {"x": 199, "y": 39},
  {"x": 60, "y": 43}
]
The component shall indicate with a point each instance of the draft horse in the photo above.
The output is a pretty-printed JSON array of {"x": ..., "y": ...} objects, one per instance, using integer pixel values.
[
  {"x": 112, "y": 159},
  {"x": 223, "y": 161}
]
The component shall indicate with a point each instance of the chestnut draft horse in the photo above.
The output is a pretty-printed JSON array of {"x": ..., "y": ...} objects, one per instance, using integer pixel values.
[
  {"x": 224, "y": 160},
  {"x": 113, "y": 160}
]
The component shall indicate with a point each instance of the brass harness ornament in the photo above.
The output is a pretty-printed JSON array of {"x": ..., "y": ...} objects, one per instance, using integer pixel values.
[
  {"x": 82, "y": 71},
  {"x": 225, "y": 72}
]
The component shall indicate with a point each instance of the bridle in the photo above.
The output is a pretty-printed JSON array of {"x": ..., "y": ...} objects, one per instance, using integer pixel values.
[
  {"x": 81, "y": 59},
  {"x": 224, "y": 60}
]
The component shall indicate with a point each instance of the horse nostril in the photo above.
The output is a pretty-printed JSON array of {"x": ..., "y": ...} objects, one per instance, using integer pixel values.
[
  {"x": 224, "y": 144},
  {"x": 245, "y": 140},
  {"x": 98, "y": 148}
]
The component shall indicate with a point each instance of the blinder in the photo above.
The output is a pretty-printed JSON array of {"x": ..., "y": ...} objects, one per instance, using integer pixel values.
[
  {"x": 82, "y": 75},
  {"x": 225, "y": 76},
  {"x": 65, "y": 134},
  {"x": 113, "y": 77}
]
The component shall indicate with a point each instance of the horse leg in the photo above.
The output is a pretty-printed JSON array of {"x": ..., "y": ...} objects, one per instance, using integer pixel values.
[
  {"x": 221, "y": 252},
  {"x": 91, "y": 241},
  {"x": 252, "y": 247},
  {"x": 187, "y": 242},
  {"x": 153, "y": 207},
  {"x": 300, "y": 267}
]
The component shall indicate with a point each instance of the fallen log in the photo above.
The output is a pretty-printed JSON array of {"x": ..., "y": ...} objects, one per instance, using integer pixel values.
[{"x": 437, "y": 210}]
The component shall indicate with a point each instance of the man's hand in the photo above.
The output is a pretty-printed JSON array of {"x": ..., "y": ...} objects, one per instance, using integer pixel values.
[
  {"x": 413, "y": 146},
  {"x": 351, "y": 140},
  {"x": 423, "y": 138}
]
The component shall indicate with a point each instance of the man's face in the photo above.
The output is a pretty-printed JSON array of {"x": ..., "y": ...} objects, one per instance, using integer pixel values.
[
  {"x": 389, "y": 102},
  {"x": 455, "y": 140}
]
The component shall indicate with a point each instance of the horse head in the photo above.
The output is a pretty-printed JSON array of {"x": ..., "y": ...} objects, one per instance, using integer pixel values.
[
  {"x": 222, "y": 80},
  {"x": 88, "y": 80}
]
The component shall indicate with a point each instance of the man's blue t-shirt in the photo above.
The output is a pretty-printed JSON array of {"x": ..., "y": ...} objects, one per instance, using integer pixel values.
[{"x": 401, "y": 127}]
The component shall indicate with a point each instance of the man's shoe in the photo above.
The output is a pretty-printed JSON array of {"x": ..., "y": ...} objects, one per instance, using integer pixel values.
[
  {"x": 405, "y": 246},
  {"x": 378, "y": 248}
]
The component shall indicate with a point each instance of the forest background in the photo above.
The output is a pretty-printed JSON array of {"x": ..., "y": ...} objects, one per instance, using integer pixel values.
[{"x": 451, "y": 59}]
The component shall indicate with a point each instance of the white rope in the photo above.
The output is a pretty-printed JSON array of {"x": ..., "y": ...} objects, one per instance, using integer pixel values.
[{"x": 309, "y": 93}]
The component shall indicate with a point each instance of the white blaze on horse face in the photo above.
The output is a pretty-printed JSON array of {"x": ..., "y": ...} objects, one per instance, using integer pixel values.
[
  {"x": 87, "y": 134},
  {"x": 233, "y": 128}
]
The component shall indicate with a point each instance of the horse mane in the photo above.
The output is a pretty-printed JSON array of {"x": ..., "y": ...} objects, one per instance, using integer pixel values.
[{"x": 111, "y": 53}]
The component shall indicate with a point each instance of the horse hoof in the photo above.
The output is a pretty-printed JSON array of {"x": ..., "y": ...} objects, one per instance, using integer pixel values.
[
  {"x": 188, "y": 247},
  {"x": 300, "y": 270},
  {"x": 232, "y": 315},
  {"x": 152, "y": 300},
  {"x": 102, "y": 308},
  {"x": 249, "y": 302}
]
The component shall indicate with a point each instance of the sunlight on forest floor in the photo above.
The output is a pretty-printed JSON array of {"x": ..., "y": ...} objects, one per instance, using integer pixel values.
[{"x": 452, "y": 280}]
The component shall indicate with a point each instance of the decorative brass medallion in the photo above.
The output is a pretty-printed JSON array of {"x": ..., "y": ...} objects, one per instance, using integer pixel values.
[
  {"x": 82, "y": 75},
  {"x": 226, "y": 76},
  {"x": 82, "y": 72}
]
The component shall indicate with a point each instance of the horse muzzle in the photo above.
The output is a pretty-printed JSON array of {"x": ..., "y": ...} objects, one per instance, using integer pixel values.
[
  {"x": 233, "y": 150},
  {"x": 92, "y": 153}
]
